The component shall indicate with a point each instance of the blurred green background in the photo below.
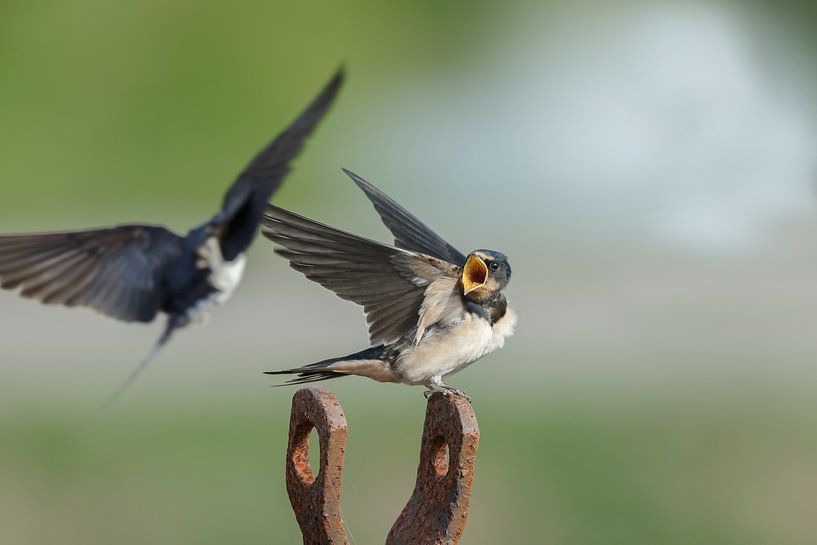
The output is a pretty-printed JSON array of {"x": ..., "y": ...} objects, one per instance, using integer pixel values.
[{"x": 649, "y": 168}]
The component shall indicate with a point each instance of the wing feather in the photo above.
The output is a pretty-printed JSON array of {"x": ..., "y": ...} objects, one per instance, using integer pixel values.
[
  {"x": 244, "y": 201},
  {"x": 62, "y": 291},
  {"x": 388, "y": 282},
  {"x": 116, "y": 271},
  {"x": 409, "y": 232}
]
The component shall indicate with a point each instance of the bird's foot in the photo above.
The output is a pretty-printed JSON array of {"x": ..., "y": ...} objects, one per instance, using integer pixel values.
[
  {"x": 432, "y": 389},
  {"x": 450, "y": 390},
  {"x": 461, "y": 394},
  {"x": 437, "y": 385}
]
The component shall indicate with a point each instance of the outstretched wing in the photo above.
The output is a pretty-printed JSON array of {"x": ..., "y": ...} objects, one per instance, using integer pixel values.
[
  {"x": 116, "y": 271},
  {"x": 389, "y": 282},
  {"x": 245, "y": 200},
  {"x": 409, "y": 232}
]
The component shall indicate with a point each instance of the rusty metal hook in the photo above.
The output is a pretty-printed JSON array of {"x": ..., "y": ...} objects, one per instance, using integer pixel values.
[{"x": 437, "y": 510}]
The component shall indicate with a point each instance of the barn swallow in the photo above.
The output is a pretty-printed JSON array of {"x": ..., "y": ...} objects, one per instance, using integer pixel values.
[
  {"x": 135, "y": 272},
  {"x": 431, "y": 310}
]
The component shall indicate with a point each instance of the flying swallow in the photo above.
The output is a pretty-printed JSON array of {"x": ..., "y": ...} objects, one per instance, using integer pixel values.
[
  {"x": 431, "y": 310},
  {"x": 135, "y": 272}
]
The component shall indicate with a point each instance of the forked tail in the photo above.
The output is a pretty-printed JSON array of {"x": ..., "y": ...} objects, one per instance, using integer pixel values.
[
  {"x": 172, "y": 325},
  {"x": 372, "y": 363}
]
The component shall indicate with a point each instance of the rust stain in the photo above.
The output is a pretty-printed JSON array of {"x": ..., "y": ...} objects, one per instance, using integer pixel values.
[
  {"x": 316, "y": 498},
  {"x": 437, "y": 511}
]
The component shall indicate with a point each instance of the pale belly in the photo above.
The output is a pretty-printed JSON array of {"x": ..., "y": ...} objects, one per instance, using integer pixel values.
[
  {"x": 224, "y": 277},
  {"x": 449, "y": 351}
]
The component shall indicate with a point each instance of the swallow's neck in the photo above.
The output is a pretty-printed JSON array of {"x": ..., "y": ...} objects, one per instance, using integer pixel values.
[{"x": 491, "y": 308}]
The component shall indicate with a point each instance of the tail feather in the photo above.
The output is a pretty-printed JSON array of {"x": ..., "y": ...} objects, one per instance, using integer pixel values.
[
  {"x": 306, "y": 378},
  {"x": 173, "y": 323},
  {"x": 371, "y": 363},
  {"x": 137, "y": 371}
]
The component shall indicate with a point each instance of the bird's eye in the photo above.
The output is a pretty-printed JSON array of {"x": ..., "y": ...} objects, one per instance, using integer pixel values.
[{"x": 494, "y": 265}]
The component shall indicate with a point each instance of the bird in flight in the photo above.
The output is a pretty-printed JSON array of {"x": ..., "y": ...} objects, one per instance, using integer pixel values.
[
  {"x": 135, "y": 272},
  {"x": 431, "y": 310}
]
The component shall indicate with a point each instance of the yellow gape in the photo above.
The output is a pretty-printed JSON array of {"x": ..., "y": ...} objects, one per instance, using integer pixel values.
[{"x": 474, "y": 274}]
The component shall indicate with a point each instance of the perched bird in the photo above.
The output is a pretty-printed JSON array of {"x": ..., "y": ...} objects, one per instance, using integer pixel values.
[
  {"x": 134, "y": 272},
  {"x": 431, "y": 310}
]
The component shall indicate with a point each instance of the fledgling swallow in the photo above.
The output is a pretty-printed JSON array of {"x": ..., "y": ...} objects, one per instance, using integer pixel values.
[
  {"x": 431, "y": 310},
  {"x": 135, "y": 272}
]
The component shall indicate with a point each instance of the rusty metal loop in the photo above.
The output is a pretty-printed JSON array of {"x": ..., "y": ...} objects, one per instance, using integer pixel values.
[
  {"x": 438, "y": 509},
  {"x": 316, "y": 498}
]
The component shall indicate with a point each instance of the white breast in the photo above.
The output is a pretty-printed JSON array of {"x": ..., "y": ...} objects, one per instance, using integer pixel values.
[
  {"x": 226, "y": 276},
  {"x": 446, "y": 351}
]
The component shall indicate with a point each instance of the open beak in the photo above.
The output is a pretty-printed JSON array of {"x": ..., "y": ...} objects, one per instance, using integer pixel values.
[{"x": 474, "y": 274}]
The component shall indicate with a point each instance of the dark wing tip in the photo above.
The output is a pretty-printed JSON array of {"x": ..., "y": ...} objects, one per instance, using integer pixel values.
[
  {"x": 269, "y": 167},
  {"x": 326, "y": 97},
  {"x": 382, "y": 202},
  {"x": 337, "y": 79},
  {"x": 409, "y": 232},
  {"x": 361, "y": 183},
  {"x": 315, "y": 110}
]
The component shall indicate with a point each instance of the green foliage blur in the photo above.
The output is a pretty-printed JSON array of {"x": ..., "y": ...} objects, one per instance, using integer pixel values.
[{"x": 639, "y": 402}]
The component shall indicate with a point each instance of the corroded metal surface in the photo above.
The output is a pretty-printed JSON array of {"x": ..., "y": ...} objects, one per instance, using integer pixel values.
[
  {"x": 438, "y": 509},
  {"x": 316, "y": 499}
]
